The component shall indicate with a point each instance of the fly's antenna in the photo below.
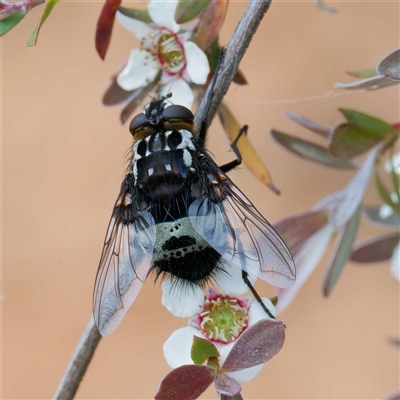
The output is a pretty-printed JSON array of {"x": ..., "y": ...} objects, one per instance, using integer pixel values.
[{"x": 204, "y": 123}]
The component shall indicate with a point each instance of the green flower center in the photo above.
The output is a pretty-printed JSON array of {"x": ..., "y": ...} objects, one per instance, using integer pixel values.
[{"x": 223, "y": 319}]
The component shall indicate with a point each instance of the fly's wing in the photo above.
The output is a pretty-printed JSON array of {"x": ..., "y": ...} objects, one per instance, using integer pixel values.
[
  {"x": 124, "y": 264},
  {"x": 230, "y": 223}
]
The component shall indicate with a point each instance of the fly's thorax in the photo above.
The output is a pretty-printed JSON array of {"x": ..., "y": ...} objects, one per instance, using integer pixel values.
[{"x": 161, "y": 162}]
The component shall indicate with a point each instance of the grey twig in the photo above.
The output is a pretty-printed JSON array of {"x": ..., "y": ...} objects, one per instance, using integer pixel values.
[
  {"x": 234, "y": 53},
  {"x": 79, "y": 363},
  {"x": 235, "y": 50}
]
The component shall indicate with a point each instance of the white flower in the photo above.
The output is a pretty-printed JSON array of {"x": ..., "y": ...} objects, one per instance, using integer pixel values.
[
  {"x": 185, "y": 301},
  {"x": 396, "y": 164},
  {"x": 386, "y": 211},
  {"x": 165, "y": 47},
  {"x": 221, "y": 329}
]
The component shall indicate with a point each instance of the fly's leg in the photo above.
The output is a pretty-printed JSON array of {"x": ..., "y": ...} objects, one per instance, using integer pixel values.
[
  {"x": 246, "y": 279},
  {"x": 235, "y": 163}
]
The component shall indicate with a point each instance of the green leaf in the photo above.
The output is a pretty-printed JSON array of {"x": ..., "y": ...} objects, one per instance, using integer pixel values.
[
  {"x": 8, "y": 23},
  {"x": 202, "y": 350},
  {"x": 366, "y": 122},
  {"x": 310, "y": 151},
  {"x": 341, "y": 252},
  {"x": 186, "y": 10},
  {"x": 385, "y": 194},
  {"x": 140, "y": 15},
  {"x": 214, "y": 54},
  {"x": 365, "y": 73},
  {"x": 46, "y": 12},
  {"x": 360, "y": 134},
  {"x": 321, "y": 130}
]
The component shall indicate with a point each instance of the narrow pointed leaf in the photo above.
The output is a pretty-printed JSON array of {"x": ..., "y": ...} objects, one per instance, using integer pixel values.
[
  {"x": 211, "y": 22},
  {"x": 385, "y": 194},
  {"x": 185, "y": 383},
  {"x": 348, "y": 199},
  {"x": 390, "y": 66},
  {"x": 321, "y": 130},
  {"x": 105, "y": 25},
  {"x": 202, "y": 350},
  {"x": 186, "y": 10},
  {"x": 310, "y": 151},
  {"x": 375, "y": 249},
  {"x": 250, "y": 157},
  {"x": 140, "y": 15},
  {"x": 376, "y": 82},
  {"x": 258, "y": 344},
  {"x": 365, "y": 73},
  {"x": 226, "y": 385},
  {"x": 46, "y": 12},
  {"x": 8, "y": 23},
  {"x": 114, "y": 94},
  {"x": 296, "y": 229},
  {"x": 341, "y": 252}
]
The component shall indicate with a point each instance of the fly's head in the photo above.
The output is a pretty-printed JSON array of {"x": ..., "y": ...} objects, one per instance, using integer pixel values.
[{"x": 163, "y": 149}]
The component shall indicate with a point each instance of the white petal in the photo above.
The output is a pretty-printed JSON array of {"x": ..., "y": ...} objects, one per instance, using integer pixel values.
[
  {"x": 138, "y": 28},
  {"x": 256, "y": 312},
  {"x": 182, "y": 302},
  {"x": 139, "y": 71},
  {"x": 232, "y": 282},
  {"x": 178, "y": 346},
  {"x": 243, "y": 375},
  {"x": 197, "y": 66},
  {"x": 385, "y": 211},
  {"x": 181, "y": 92},
  {"x": 162, "y": 12},
  {"x": 396, "y": 164},
  {"x": 395, "y": 263},
  {"x": 306, "y": 260}
]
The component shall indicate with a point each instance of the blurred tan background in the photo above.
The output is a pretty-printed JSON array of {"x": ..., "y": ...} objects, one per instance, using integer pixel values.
[{"x": 63, "y": 162}]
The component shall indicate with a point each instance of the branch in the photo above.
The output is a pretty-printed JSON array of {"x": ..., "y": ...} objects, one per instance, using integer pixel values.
[
  {"x": 234, "y": 53},
  {"x": 235, "y": 50},
  {"x": 79, "y": 363}
]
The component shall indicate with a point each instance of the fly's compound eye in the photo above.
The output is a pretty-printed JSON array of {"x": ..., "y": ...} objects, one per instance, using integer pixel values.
[
  {"x": 137, "y": 124},
  {"x": 177, "y": 117}
]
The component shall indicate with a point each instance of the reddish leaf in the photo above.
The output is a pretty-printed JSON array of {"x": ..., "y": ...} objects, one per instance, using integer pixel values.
[
  {"x": 185, "y": 383},
  {"x": 224, "y": 397},
  {"x": 186, "y": 10},
  {"x": 104, "y": 26},
  {"x": 258, "y": 344},
  {"x": 114, "y": 94},
  {"x": 390, "y": 66},
  {"x": 226, "y": 385},
  {"x": 341, "y": 252},
  {"x": 310, "y": 151},
  {"x": 210, "y": 23},
  {"x": 321, "y": 130},
  {"x": 375, "y": 249},
  {"x": 298, "y": 228}
]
